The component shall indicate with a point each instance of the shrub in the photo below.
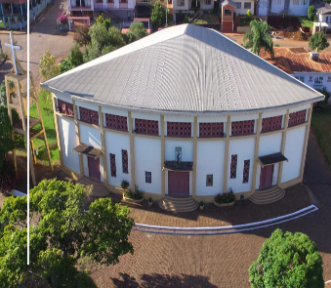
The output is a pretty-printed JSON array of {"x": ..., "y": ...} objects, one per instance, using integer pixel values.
[
  {"x": 185, "y": 19},
  {"x": 225, "y": 198},
  {"x": 124, "y": 184},
  {"x": 318, "y": 41},
  {"x": 158, "y": 15},
  {"x": 7, "y": 177},
  {"x": 202, "y": 203},
  {"x": 311, "y": 12},
  {"x": 150, "y": 199},
  {"x": 136, "y": 195},
  {"x": 82, "y": 37}
]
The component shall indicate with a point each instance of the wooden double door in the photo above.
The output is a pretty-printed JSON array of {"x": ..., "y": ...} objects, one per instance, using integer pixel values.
[
  {"x": 178, "y": 183},
  {"x": 94, "y": 168},
  {"x": 266, "y": 176}
]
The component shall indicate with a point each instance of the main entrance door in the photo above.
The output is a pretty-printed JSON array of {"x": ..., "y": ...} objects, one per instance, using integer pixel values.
[
  {"x": 178, "y": 183},
  {"x": 94, "y": 167},
  {"x": 266, "y": 176}
]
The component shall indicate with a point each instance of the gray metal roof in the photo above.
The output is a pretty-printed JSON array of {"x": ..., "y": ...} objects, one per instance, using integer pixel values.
[{"x": 184, "y": 68}]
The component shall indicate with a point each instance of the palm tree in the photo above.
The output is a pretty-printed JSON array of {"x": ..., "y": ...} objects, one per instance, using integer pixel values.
[{"x": 259, "y": 38}]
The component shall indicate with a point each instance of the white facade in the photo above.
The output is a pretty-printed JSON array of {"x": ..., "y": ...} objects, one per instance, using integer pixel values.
[
  {"x": 242, "y": 6},
  {"x": 298, "y": 7},
  {"x": 295, "y": 7}
]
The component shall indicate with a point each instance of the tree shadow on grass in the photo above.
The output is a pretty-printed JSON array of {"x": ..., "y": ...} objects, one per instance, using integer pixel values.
[{"x": 162, "y": 281}]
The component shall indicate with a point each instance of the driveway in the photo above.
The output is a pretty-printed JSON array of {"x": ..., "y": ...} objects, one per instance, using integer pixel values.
[{"x": 217, "y": 261}]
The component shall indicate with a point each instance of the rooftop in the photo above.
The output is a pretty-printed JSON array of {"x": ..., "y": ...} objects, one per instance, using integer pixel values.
[
  {"x": 184, "y": 68},
  {"x": 293, "y": 60}
]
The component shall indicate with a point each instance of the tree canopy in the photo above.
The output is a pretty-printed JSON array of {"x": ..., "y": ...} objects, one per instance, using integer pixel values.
[
  {"x": 47, "y": 67},
  {"x": 311, "y": 12},
  {"x": 259, "y": 37},
  {"x": 318, "y": 41},
  {"x": 287, "y": 260},
  {"x": 82, "y": 37},
  {"x": 158, "y": 15},
  {"x": 138, "y": 30}
]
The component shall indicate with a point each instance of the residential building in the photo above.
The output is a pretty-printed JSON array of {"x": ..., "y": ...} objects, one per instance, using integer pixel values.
[
  {"x": 287, "y": 7},
  {"x": 323, "y": 22},
  {"x": 242, "y": 6},
  {"x": 184, "y": 111}
]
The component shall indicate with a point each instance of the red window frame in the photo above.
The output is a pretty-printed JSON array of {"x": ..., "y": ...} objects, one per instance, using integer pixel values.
[
  {"x": 271, "y": 124},
  {"x": 89, "y": 116},
  {"x": 179, "y": 129},
  {"x": 207, "y": 130},
  {"x": 148, "y": 127},
  {"x": 125, "y": 161},
  {"x": 246, "y": 171},
  {"x": 242, "y": 127},
  {"x": 112, "y": 165},
  {"x": 65, "y": 108},
  {"x": 116, "y": 122},
  {"x": 233, "y": 166},
  {"x": 297, "y": 118}
]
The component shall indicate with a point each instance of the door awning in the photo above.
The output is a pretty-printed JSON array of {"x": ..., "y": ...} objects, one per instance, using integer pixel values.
[
  {"x": 271, "y": 159},
  {"x": 175, "y": 166},
  {"x": 88, "y": 150}
]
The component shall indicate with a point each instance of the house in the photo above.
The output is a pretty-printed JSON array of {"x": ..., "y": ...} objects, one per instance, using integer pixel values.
[
  {"x": 242, "y": 6},
  {"x": 287, "y": 7},
  {"x": 184, "y": 111},
  {"x": 323, "y": 22},
  {"x": 298, "y": 63}
]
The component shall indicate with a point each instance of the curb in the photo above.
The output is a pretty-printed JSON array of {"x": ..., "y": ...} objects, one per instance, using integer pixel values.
[{"x": 217, "y": 230}]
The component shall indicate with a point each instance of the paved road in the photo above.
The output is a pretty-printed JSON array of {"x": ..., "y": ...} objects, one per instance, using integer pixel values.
[{"x": 217, "y": 261}]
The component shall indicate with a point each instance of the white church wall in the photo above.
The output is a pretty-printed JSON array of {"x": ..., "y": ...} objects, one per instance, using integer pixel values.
[
  {"x": 68, "y": 141},
  {"x": 187, "y": 150},
  {"x": 148, "y": 159},
  {"x": 115, "y": 142},
  {"x": 210, "y": 160},
  {"x": 244, "y": 148},
  {"x": 295, "y": 139}
]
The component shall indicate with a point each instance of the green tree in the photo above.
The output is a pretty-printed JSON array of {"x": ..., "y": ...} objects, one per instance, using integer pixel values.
[
  {"x": 101, "y": 21},
  {"x": 138, "y": 30},
  {"x": 3, "y": 95},
  {"x": 318, "y": 41},
  {"x": 47, "y": 67},
  {"x": 82, "y": 37},
  {"x": 158, "y": 15},
  {"x": 287, "y": 260},
  {"x": 311, "y": 13},
  {"x": 5, "y": 136},
  {"x": 259, "y": 37},
  {"x": 75, "y": 56}
]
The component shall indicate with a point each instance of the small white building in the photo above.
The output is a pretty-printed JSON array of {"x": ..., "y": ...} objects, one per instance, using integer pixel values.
[
  {"x": 184, "y": 111},
  {"x": 323, "y": 22}
]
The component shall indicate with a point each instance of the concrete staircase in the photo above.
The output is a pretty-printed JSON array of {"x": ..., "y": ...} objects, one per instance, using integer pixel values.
[
  {"x": 178, "y": 204},
  {"x": 99, "y": 188},
  {"x": 267, "y": 196}
]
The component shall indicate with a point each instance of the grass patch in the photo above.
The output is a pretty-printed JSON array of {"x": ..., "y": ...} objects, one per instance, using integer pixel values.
[
  {"x": 321, "y": 122},
  {"x": 305, "y": 22},
  {"x": 45, "y": 102}
]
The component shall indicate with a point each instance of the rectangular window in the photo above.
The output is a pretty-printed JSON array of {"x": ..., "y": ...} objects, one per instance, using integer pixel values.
[
  {"x": 228, "y": 12},
  {"x": 318, "y": 80},
  {"x": 271, "y": 124},
  {"x": 310, "y": 78},
  {"x": 211, "y": 130},
  {"x": 208, "y": 2},
  {"x": 65, "y": 108},
  {"x": 148, "y": 177},
  {"x": 125, "y": 162},
  {"x": 295, "y": 2},
  {"x": 329, "y": 78},
  {"x": 112, "y": 165},
  {"x": 209, "y": 180},
  {"x": 302, "y": 78},
  {"x": 297, "y": 118},
  {"x": 238, "y": 5},
  {"x": 89, "y": 116},
  {"x": 246, "y": 171},
  {"x": 233, "y": 167},
  {"x": 180, "y": 3},
  {"x": 247, "y": 5},
  {"x": 179, "y": 129},
  {"x": 116, "y": 122},
  {"x": 148, "y": 127},
  {"x": 304, "y": 2},
  {"x": 242, "y": 127}
]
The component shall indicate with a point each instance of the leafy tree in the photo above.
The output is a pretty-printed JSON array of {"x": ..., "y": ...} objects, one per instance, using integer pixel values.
[
  {"x": 311, "y": 12},
  {"x": 138, "y": 30},
  {"x": 259, "y": 37},
  {"x": 128, "y": 37},
  {"x": 249, "y": 16},
  {"x": 82, "y": 37},
  {"x": 5, "y": 135},
  {"x": 318, "y": 41},
  {"x": 3, "y": 95},
  {"x": 158, "y": 15},
  {"x": 65, "y": 65},
  {"x": 47, "y": 66},
  {"x": 287, "y": 260},
  {"x": 75, "y": 56},
  {"x": 101, "y": 21},
  {"x": 326, "y": 94}
]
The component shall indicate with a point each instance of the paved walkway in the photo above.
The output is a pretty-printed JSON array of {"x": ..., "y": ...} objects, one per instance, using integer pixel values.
[{"x": 217, "y": 261}]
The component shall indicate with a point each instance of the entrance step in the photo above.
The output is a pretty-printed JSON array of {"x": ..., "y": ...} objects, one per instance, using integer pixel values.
[
  {"x": 178, "y": 204},
  {"x": 99, "y": 189},
  {"x": 268, "y": 196}
]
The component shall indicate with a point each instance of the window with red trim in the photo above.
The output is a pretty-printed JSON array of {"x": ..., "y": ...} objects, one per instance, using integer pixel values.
[
  {"x": 116, "y": 122},
  {"x": 125, "y": 161},
  {"x": 65, "y": 108},
  {"x": 179, "y": 129},
  {"x": 233, "y": 166},
  {"x": 112, "y": 165},
  {"x": 148, "y": 127},
  {"x": 211, "y": 130},
  {"x": 246, "y": 171},
  {"x": 297, "y": 118},
  {"x": 271, "y": 124},
  {"x": 242, "y": 127},
  {"x": 89, "y": 116}
]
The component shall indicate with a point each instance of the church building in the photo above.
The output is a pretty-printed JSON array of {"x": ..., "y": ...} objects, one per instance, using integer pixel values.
[{"x": 184, "y": 111}]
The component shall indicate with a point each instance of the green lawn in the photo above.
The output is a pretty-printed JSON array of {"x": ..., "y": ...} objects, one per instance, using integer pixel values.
[
  {"x": 305, "y": 22},
  {"x": 45, "y": 102},
  {"x": 321, "y": 123}
]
